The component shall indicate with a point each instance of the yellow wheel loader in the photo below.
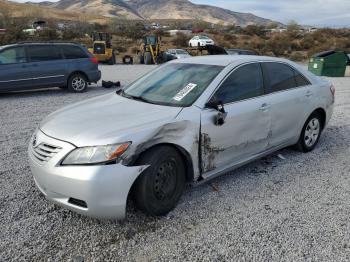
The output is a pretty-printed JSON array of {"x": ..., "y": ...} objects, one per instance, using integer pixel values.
[
  {"x": 102, "y": 47},
  {"x": 150, "y": 51}
]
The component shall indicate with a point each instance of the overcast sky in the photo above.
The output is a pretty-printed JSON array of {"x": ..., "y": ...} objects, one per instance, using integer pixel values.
[{"x": 307, "y": 12}]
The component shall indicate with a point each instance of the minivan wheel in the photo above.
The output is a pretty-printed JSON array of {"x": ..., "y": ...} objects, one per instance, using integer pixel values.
[
  {"x": 77, "y": 83},
  {"x": 160, "y": 186},
  {"x": 310, "y": 134}
]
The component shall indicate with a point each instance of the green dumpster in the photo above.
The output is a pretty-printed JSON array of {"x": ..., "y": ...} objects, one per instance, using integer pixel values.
[{"x": 329, "y": 63}]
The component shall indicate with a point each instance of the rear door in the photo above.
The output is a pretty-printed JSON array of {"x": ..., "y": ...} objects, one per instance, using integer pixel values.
[
  {"x": 48, "y": 66},
  {"x": 247, "y": 125},
  {"x": 15, "y": 73},
  {"x": 288, "y": 97},
  {"x": 77, "y": 59}
]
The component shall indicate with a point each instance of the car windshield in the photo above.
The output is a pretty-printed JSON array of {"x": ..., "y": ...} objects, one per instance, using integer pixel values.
[
  {"x": 203, "y": 37},
  {"x": 175, "y": 84},
  {"x": 181, "y": 52}
]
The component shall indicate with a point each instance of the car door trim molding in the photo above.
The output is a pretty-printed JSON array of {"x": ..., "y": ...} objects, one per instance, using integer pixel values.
[{"x": 36, "y": 78}]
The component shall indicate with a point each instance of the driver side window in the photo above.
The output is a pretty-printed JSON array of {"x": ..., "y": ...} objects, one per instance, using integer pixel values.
[
  {"x": 13, "y": 55},
  {"x": 244, "y": 83}
]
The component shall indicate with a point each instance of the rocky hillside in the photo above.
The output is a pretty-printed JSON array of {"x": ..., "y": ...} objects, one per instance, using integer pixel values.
[
  {"x": 13, "y": 9},
  {"x": 184, "y": 9},
  {"x": 158, "y": 9}
]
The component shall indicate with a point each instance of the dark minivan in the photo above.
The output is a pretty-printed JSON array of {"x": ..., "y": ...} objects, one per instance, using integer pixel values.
[{"x": 42, "y": 65}]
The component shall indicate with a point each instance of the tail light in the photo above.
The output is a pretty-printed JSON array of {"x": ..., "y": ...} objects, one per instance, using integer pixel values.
[
  {"x": 332, "y": 90},
  {"x": 94, "y": 60}
]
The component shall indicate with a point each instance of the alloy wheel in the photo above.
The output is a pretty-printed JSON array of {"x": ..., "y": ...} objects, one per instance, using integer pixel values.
[
  {"x": 312, "y": 132},
  {"x": 78, "y": 83}
]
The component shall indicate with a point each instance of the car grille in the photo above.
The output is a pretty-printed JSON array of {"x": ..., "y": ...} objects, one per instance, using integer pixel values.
[{"x": 44, "y": 152}]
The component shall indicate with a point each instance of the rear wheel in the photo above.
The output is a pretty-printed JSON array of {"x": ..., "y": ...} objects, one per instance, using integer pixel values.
[
  {"x": 148, "y": 58},
  {"x": 77, "y": 83},
  {"x": 310, "y": 134},
  {"x": 160, "y": 186}
]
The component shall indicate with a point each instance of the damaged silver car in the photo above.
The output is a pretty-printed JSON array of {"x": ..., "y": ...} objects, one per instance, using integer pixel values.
[{"x": 187, "y": 121}]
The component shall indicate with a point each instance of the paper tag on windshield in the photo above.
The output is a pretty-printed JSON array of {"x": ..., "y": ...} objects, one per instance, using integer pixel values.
[{"x": 184, "y": 92}]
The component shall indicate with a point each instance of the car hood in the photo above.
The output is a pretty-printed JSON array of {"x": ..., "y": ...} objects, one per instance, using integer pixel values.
[{"x": 104, "y": 119}]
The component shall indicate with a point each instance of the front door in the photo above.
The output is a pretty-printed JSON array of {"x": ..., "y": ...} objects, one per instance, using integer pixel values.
[
  {"x": 15, "y": 73},
  {"x": 247, "y": 126}
]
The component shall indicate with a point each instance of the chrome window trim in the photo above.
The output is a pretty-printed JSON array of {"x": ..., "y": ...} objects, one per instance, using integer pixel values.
[{"x": 265, "y": 94}]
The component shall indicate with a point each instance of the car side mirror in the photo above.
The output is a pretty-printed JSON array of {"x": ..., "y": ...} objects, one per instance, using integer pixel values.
[{"x": 219, "y": 119}]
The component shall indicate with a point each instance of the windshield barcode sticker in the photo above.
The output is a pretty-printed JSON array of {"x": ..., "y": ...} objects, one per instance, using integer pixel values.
[{"x": 184, "y": 92}]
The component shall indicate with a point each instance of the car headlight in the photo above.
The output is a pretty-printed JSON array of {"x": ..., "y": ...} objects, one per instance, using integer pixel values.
[{"x": 95, "y": 154}]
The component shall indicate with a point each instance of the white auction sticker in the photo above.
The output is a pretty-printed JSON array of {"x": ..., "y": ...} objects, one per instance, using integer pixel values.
[{"x": 184, "y": 92}]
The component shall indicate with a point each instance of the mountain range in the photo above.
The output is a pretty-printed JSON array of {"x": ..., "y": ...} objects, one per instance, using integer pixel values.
[{"x": 157, "y": 9}]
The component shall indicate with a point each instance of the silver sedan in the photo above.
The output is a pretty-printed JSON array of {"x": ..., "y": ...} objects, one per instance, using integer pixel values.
[{"x": 186, "y": 122}]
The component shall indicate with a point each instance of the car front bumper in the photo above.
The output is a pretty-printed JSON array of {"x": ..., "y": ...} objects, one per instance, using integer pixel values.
[{"x": 95, "y": 191}]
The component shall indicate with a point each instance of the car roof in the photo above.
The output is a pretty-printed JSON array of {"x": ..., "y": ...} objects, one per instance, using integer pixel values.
[
  {"x": 41, "y": 43},
  {"x": 225, "y": 60}
]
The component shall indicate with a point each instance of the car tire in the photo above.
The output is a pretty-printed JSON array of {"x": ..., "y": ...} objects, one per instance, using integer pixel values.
[
  {"x": 190, "y": 44},
  {"x": 199, "y": 44},
  {"x": 128, "y": 60},
  {"x": 159, "y": 188},
  {"x": 77, "y": 83},
  {"x": 310, "y": 134}
]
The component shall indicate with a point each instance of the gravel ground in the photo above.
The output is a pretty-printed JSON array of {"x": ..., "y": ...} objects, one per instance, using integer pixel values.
[{"x": 292, "y": 209}]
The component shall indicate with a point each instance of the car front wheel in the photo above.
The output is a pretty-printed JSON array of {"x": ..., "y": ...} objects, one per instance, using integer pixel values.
[
  {"x": 311, "y": 133},
  {"x": 77, "y": 83},
  {"x": 160, "y": 186}
]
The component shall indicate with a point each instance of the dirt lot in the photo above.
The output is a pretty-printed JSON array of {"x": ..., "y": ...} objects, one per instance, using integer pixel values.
[{"x": 292, "y": 209}]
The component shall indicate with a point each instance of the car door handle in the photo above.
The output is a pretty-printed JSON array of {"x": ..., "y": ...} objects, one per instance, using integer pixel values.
[{"x": 265, "y": 107}]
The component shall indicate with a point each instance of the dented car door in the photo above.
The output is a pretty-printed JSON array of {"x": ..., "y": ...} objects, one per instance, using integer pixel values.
[{"x": 246, "y": 128}]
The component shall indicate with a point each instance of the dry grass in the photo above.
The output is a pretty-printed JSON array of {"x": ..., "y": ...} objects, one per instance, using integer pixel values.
[{"x": 17, "y": 10}]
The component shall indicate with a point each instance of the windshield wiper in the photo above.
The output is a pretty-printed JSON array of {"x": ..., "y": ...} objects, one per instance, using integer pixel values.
[{"x": 138, "y": 98}]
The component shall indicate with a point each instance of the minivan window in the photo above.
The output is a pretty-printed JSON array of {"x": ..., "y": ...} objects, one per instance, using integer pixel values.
[
  {"x": 300, "y": 79},
  {"x": 13, "y": 55},
  {"x": 41, "y": 53},
  {"x": 73, "y": 52},
  {"x": 244, "y": 83},
  {"x": 279, "y": 76}
]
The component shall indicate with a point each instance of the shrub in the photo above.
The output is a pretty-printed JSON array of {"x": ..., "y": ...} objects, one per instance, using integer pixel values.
[{"x": 181, "y": 40}]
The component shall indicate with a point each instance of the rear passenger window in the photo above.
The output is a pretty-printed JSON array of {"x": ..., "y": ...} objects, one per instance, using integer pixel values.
[
  {"x": 244, "y": 83},
  {"x": 300, "y": 79},
  {"x": 42, "y": 53},
  {"x": 279, "y": 77},
  {"x": 73, "y": 52}
]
